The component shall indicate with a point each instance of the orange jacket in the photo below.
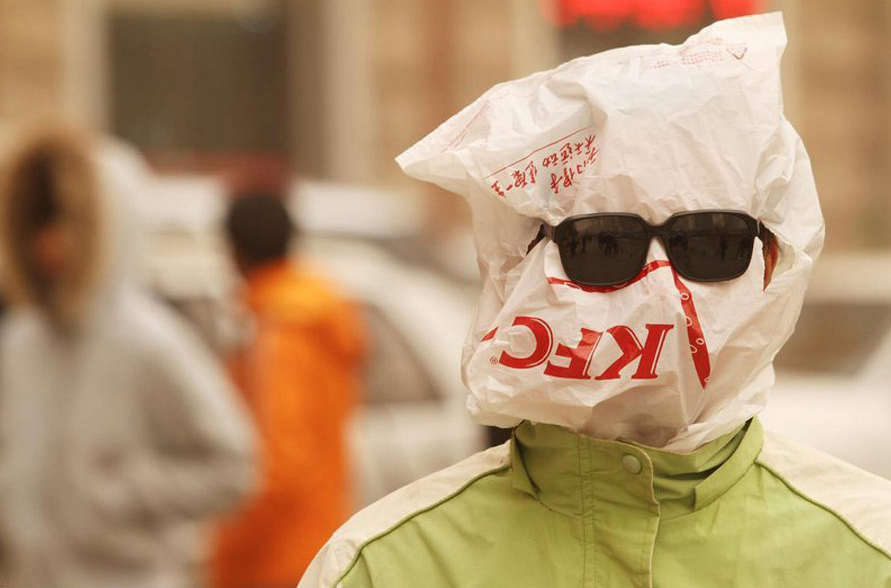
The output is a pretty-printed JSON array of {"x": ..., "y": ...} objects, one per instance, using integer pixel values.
[{"x": 300, "y": 378}]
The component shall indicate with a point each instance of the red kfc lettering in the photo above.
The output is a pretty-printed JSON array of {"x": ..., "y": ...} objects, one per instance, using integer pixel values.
[
  {"x": 631, "y": 349},
  {"x": 579, "y": 357},
  {"x": 544, "y": 342}
]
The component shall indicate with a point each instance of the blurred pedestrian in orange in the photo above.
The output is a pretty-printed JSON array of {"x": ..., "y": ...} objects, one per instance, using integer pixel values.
[
  {"x": 118, "y": 430},
  {"x": 300, "y": 377}
]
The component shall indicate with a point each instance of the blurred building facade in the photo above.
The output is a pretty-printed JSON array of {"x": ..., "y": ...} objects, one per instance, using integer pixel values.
[
  {"x": 31, "y": 62},
  {"x": 339, "y": 87}
]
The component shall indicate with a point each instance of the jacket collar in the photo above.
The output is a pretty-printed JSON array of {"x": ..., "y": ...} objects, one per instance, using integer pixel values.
[
  {"x": 568, "y": 472},
  {"x": 261, "y": 281}
]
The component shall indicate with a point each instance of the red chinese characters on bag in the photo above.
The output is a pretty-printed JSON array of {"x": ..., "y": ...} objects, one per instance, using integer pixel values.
[{"x": 565, "y": 159}]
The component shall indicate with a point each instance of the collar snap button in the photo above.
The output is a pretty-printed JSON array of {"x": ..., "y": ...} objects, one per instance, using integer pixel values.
[{"x": 631, "y": 464}]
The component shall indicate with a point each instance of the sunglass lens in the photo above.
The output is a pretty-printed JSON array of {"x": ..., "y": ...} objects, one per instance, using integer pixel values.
[
  {"x": 710, "y": 246},
  {"x": 602, "y": 250}
]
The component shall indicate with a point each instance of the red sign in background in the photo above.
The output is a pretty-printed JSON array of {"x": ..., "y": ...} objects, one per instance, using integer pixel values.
[{"x": 607, "y": 15}]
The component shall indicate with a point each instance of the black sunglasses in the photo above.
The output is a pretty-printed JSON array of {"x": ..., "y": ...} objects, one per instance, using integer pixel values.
[{"x": 606, "y": 249}]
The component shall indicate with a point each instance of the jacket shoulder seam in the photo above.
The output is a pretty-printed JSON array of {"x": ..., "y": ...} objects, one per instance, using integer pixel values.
[
  {"x": 343, "y": 550},
  {"x": 776, "y": 470},
  {"x": 798, "y": 492},
  {"x": 414, "y": 514}
]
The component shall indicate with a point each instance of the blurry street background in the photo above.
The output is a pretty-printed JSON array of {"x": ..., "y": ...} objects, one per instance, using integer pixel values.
[{"x": 333, "y": 90}]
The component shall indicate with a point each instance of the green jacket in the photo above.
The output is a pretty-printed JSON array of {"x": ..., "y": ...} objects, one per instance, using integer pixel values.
[{"x": 556, "y": 509}]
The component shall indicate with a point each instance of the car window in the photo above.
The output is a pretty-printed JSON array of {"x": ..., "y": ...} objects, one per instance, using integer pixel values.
[
  {"x": 393, "y": 372},
  {"x": 835, "y": 338}
]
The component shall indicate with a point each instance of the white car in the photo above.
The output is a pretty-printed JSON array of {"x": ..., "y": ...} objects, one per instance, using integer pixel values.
[
  {"x": 833, "y": 388},
  {"x": 412, "y": 421}
]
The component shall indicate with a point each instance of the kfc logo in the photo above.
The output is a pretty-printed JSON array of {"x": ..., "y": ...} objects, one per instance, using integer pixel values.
[{"x": 574, "y": 362}]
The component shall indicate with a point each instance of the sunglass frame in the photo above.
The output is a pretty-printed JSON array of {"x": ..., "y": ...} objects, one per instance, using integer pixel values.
[{"x": 554, "y": 233}]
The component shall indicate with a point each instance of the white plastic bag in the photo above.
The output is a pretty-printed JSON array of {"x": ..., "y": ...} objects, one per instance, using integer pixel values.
[{"x": 652, "y": 130}]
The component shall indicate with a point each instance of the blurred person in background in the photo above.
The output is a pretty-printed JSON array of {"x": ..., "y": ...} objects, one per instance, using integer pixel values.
[
  {"x": 117, "y": 428},
  {"x": 300, "y": 376}
]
